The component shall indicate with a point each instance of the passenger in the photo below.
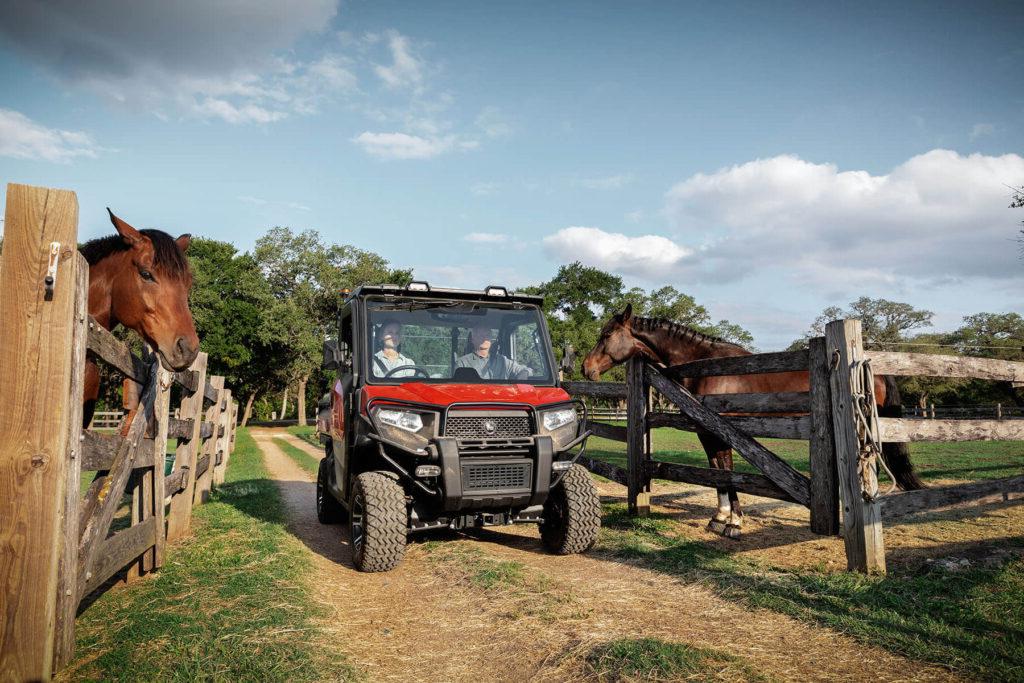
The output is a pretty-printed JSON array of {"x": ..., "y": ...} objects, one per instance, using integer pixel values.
[
  {"x": 389, "y": 357},
  {"x": 486, "y": 364}
]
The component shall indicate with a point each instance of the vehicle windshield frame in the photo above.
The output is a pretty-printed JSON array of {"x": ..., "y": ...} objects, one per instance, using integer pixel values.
[{"x": 371, "y": 308}]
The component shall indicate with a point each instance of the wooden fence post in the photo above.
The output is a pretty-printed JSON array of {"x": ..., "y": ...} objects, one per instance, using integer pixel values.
[
  {"x": 148, "y": 496},
  {"x": 38, "y": 419},
  {"x": 186, "y": 455},
  {"x": 222, "y": 441},
  {"x": 639, "y": 500},
  {"x": 204, "y": 482},
  {"x": 824, "y": 474},
  {"x": 862, "y": 519}
]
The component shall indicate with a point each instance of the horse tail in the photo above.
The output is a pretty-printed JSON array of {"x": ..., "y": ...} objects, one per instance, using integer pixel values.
[{"x": 897, "y": 455}]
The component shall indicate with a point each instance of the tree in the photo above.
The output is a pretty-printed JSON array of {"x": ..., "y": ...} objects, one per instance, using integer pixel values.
[{"x": 884, "y": 322}]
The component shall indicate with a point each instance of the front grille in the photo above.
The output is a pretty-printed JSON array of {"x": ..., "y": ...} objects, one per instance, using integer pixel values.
[
  {"x": 506, "y": 425},
  {"x": 500, "y": 476}
]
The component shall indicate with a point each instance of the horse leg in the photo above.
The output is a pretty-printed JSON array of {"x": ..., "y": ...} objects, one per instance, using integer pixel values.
[{"x": 728, "y": 519}]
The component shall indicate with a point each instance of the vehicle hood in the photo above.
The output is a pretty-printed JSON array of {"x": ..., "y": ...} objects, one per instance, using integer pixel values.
[{"x": 447, "y": 394}]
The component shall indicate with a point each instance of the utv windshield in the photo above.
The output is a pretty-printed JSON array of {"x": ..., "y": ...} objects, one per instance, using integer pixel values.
[{"x": 455, "y": 341}]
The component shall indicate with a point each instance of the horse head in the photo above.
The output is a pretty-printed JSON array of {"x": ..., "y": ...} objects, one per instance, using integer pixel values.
[
  {"x": 615, "y": 345},
  {"x": 143, "y": 283}
]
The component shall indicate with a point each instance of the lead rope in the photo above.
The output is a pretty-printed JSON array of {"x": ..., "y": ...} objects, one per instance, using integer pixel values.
[{"x": 866, "y": 414}]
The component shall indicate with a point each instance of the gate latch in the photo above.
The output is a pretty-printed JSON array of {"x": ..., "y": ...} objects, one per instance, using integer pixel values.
[{"x": 51, "y": 270}]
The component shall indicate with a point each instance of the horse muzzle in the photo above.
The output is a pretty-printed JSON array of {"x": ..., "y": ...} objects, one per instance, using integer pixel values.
[{"x": 180, "y": 355}]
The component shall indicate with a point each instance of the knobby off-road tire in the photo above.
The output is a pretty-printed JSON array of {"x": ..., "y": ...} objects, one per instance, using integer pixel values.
[
  {"x": 328, "y": 509},
  {"x": 378, "y": 522},
  {"x": 572, "y": 514}
]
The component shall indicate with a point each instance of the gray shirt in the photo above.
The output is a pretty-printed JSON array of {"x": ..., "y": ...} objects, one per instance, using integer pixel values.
[
  {"x": 494, "y": 366},
  {"x": 381, "y": 365}
]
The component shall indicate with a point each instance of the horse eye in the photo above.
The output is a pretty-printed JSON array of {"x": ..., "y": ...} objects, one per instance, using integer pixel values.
[{"x": 146, "y": 275}]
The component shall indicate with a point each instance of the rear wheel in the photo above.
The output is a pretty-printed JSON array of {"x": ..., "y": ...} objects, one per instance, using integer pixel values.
[
  {"x": 572, "y": 514},
  {"x": 378, "y": 522},
  {"x": 328, "y": 509}
]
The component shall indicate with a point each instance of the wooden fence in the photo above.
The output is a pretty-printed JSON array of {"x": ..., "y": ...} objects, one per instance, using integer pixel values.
[
  {"x": 826, "y": 417},
  {"x": 56, "y": 545}
]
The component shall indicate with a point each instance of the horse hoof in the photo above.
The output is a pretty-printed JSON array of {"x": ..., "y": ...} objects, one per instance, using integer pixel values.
[
  {"x": 717, "y": 527},
  {"x": 732, "y": 531}
]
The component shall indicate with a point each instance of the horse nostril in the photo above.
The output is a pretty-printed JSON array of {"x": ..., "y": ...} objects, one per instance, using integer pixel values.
[{"x": 182, "y": 347}]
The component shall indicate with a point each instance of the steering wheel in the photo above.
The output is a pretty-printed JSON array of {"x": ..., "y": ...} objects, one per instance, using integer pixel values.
[{"x": 415, "y": 368}]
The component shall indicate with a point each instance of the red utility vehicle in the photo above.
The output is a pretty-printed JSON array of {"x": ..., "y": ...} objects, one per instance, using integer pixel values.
[{"x": 446, "y": 413}]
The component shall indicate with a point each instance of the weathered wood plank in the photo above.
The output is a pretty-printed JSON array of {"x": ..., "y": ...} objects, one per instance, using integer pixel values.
[
  {"x": 222, "y": 440},
  {"x": 203, "y": 465},
  {"x": 896, "y": 429},
  {"x": 206, "y": 430},
  {"x": 636, "y": 436},
  {"x": 862, "y": 519},
  {"x": 781, "y": 427},
  {"x": 928, "y": 365},
  {"x": 209, "y": 392},
  {"x": 97, "y": 517},
  {"x": 758, "y": 363},
  {"x": 605, "y": 469},
  {"x": 120, "y": 549},
  {"x": 754, "y": 484},
  {"x": 179, "y": 428},
  {"x": 204, "y": 477},
  {"x": 67, "y": 576},
  {"x": 824, "y": 475},
  {"x": 186, "y": 455},
  {"x": 174, "y": 482},
  {"x": 782, "y": 402},
  {"x": 779, "y": 471},
  {"x": 98, "y": 451},
  {"x": 607, "y": 431},
  {"x": 114, "y": 352},
  {"x": 187, "y": 379},
  {"x": 35, "y": 375},
  {"x": 907, "y": 502},
  {"x": 596, "y": 389}
]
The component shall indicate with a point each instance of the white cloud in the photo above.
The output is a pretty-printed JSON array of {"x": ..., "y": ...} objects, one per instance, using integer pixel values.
[
  {"x": 486, "y": 238},
  {"x": 635, "y": 217},
  {"x": 484, "y": 189},
  {"x": 614, "y": 182},
  {"x": 406, "y": 69},
  {"x": 492, "y": 123},
  {"x": 938, "y": 217},
  {"x": 982, "y": 129},
  {"x": 23, "y": 138},
  {"x": 647, "y": 256},
  {"x": 405, "y": 146}
]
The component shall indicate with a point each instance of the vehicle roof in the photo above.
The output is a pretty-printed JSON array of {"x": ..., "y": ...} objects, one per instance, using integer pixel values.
[{"x": 443, "y": 293}]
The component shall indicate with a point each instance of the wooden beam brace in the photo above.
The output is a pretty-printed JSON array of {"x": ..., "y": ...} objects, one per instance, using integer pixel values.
[
  {"x": 755, "y": 364},
  {"x": 796, "y": 427},
  {"x": 754, "y": 484},
  {"x": 928, "y": 365},
  {"x": 605, "y": 469},
  {"x": 596, "y": 389},
  {"x": 119, "y": 550},
  {"x": 114, "y": 352},
  {"x": 781, "y": 472},
  {"x": 907, "y": 502},
  {"x": 179, "y": 428},
  {"x": 781, "y": 402},
  {"x": 99, "y": 450},
  {"x": 895, "y": 429},
  {"x": 607, "y": 431}
]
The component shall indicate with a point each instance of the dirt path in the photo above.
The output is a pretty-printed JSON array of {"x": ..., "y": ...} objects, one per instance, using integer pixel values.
[{"x": 426, "y": 620}]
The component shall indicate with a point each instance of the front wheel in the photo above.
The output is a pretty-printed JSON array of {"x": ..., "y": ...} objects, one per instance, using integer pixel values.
[
  {"x": 378, "y": 521},
  {"x": 328, "y": 509},
  {"x": 572, "y": 514}
]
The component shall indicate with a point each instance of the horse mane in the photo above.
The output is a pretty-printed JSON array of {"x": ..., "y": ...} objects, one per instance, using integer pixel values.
[
  {"x": 166, "y": 253},
  {"x": 677, "y": 330}
]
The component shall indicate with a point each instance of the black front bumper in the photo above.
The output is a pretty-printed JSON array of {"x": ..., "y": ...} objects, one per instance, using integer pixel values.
[{"x": 480, "y": 481}]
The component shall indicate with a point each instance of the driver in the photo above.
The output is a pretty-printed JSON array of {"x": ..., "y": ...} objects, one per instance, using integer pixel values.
[
  {"x": 490, "y": 365},
  {"x": 389, "y": 357}
]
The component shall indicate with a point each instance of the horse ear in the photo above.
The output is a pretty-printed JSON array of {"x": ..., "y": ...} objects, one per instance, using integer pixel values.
[
  {"x": 130, "y": 235},
  {"x": 627, "y": 313},
  {"x": 183, "y": 242}
]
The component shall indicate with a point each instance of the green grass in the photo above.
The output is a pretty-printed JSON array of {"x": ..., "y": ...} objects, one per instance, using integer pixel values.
[
  {"x": 307, "y": 434},
  {"x": 966, "y": 460},
  {"x": 969, "y": 621},
  {"x": 301, "y": 457},
  {"x": 230, "y": 603},
  {"x": 651, "y": 659}
]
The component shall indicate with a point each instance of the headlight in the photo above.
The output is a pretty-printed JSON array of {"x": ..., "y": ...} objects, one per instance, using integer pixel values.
[
  {"x": 553, "y": 419},
  {"x": 407, "y": 428},
  {"x": 560, "y": 424},
  {"x": 403, "y": 419}
]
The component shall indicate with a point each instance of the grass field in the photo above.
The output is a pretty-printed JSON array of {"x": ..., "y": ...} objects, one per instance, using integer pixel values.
[{"x": 206, "y": 613}]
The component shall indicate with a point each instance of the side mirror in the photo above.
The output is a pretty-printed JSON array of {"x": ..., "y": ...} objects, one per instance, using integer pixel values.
[
  {"x": 324, "y": 403},
  {"x": 568, "y": 358},
  {"x": 332, "y": 355}
]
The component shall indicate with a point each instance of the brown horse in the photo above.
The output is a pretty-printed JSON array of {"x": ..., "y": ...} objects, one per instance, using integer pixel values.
[
  {"x": 668, "y": 343},
  {"x": 141, "y": 279}
]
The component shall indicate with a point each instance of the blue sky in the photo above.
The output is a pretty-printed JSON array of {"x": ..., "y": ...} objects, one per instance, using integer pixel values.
[{"x": 769, "y": 158}]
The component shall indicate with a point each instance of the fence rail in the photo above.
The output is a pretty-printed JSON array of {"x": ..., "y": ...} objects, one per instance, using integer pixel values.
[{"x": 60, "y": 545}]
